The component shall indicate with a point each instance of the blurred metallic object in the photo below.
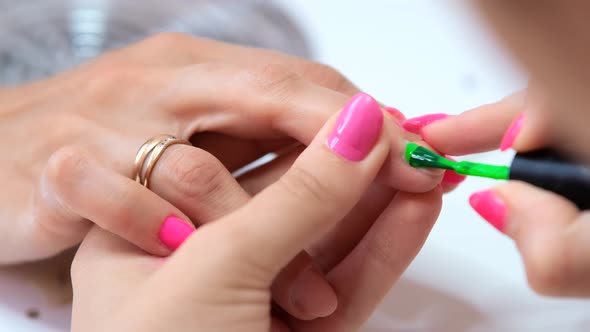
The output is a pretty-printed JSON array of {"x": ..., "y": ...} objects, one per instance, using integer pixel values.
[{"x": 39, "y": 38}]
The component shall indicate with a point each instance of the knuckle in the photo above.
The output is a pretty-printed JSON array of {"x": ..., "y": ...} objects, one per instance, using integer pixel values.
[
  {"x": 546, "y": 281},
  {"x": 113, "y": 77},
  {"x": 306, "y": 186},
  {"x": 196, "y": 173},
  {"x": 110, "y": 78},
  {"x": 275, "y": 80},
  {"x": 329, "y": 77},
  {"x": 206, "y": 69},
  {"x": 67, "y": 164},
  {"x": 169, "y": 40},
  {"x": 382, "y": 253}
]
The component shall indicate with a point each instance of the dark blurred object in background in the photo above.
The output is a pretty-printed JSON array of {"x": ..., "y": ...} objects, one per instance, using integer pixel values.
[{"x": 39, "y": 38}]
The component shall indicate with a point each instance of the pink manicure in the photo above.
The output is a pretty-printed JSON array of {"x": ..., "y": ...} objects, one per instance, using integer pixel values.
[
  {"x": 415, "y": 125},
  {"x": 512, "y": 133},
  {"x": 357, "y": 128},
  {"x": 397, "y": 114},
  {"x": 174, "y": 231},
  {"x": 451, "y": 177},
  {"x": 490, "y": 207}
]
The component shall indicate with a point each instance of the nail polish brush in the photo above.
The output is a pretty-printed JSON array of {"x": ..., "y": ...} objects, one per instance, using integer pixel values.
[{"x": 545, "y": 169}]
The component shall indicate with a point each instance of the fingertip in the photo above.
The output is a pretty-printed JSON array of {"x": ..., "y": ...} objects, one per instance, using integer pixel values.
[
  {"x": 398, "y": 173},
  {"x": 174, "y": 231},
  {"x": 490, "y": 207},
  {"x": 416, "y": 124},
  {"x": 396, "y": 114},
  {"x": 312, "y": 295},
  {"x": 512, "y": 133},
  {"x": 357, "y": 128}
]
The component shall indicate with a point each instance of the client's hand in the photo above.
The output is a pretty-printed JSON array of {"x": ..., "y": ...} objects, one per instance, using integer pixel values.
[
  {"x": 550, "y": 232},
  {"x": 220, "y": 279},
  {"x": 70, "y": 141}
]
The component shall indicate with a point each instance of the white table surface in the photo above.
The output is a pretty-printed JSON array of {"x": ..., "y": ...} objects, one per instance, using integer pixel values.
[{"x": 422, "y": 56}]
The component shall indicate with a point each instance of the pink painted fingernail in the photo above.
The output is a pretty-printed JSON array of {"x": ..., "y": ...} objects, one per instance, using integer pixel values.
[
  {"x": 174, "y": 231},
  {"x": 357, "y": 128},
  {"x": 451, "y": 177},
  {"x": 397, "y": 114},
  {"x": 415, "y": 125},
  {"x": 512, "y": 133},
  {"x": 490, "y": 207}
]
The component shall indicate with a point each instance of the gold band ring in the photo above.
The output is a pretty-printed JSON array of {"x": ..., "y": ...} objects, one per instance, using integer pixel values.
[{"x": 149, "y": 154}]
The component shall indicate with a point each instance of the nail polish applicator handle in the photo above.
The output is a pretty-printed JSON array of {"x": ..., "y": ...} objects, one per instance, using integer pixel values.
[{"x": 547, "y": 169}]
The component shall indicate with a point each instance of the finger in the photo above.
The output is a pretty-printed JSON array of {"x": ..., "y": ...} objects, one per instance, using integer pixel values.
[
  {"x": 302, "y": 290},
  {"x": 338, "y": 242},
  {"x": 532, "y": 129},
  {"x": 196, "y": 183},
  {"x": 378, "y": 261},
  {"x": 478, "y": 130},
  {"x": 75, "y": 188},
  {"x": 514, "y": 122},
  {"x": 190, "y": 50},
  {"x": 322, "y": 186},
  {"x": 199, "y": 185},
  {"x": 550, "y": 232},
  {"x": 279, "y": 103}
]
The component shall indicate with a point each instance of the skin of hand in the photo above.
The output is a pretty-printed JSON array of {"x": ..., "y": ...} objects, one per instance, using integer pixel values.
[
  {"x": 550, "y": 40},
  {"x": 73, "y": 139},
  {"x": 220, "y": 278}
]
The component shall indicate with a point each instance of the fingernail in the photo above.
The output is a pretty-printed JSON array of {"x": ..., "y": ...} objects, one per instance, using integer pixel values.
[
  {"x": 415, "y": 125},
  {"x": 512, "y": 133},
  {"x": 397, "y": 114},
  {"x": 451, "y": 177},
  {"x": 312, "y": 295},
  {"x": 174, "y": 231},
  {"x": 437, "y": 172},
  {"x": 490, "y": 207},
  {"x": 357, "y": 128}
]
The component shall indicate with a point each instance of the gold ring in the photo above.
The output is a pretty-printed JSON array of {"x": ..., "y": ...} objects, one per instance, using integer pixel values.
[{"x": 149, "y": 153}]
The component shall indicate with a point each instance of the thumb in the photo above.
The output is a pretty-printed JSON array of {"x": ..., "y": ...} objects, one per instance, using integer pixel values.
[
  {"x": 321, "y": 187},
  {"x": 550, "y": 232}
]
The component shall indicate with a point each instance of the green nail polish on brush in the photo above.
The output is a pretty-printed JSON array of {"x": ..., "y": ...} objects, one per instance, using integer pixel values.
[
  {"x": 544, "y": 168},
  {"x": 419, "y": 156}
]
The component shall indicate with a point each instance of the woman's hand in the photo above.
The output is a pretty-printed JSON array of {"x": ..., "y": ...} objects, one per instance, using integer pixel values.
[
  {"x": 70, "y": 141},
  {"x": 220, "y": 279},
  {"x": 550, "y": 232}
]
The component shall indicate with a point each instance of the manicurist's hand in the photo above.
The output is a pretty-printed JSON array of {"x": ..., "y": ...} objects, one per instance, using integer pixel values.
[
  {"x": 220, "y": 278},
  {"x": 550, "y": 232}
]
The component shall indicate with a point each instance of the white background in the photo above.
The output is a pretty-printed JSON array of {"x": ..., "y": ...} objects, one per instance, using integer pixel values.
[{"x": 421, "y": 56}]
